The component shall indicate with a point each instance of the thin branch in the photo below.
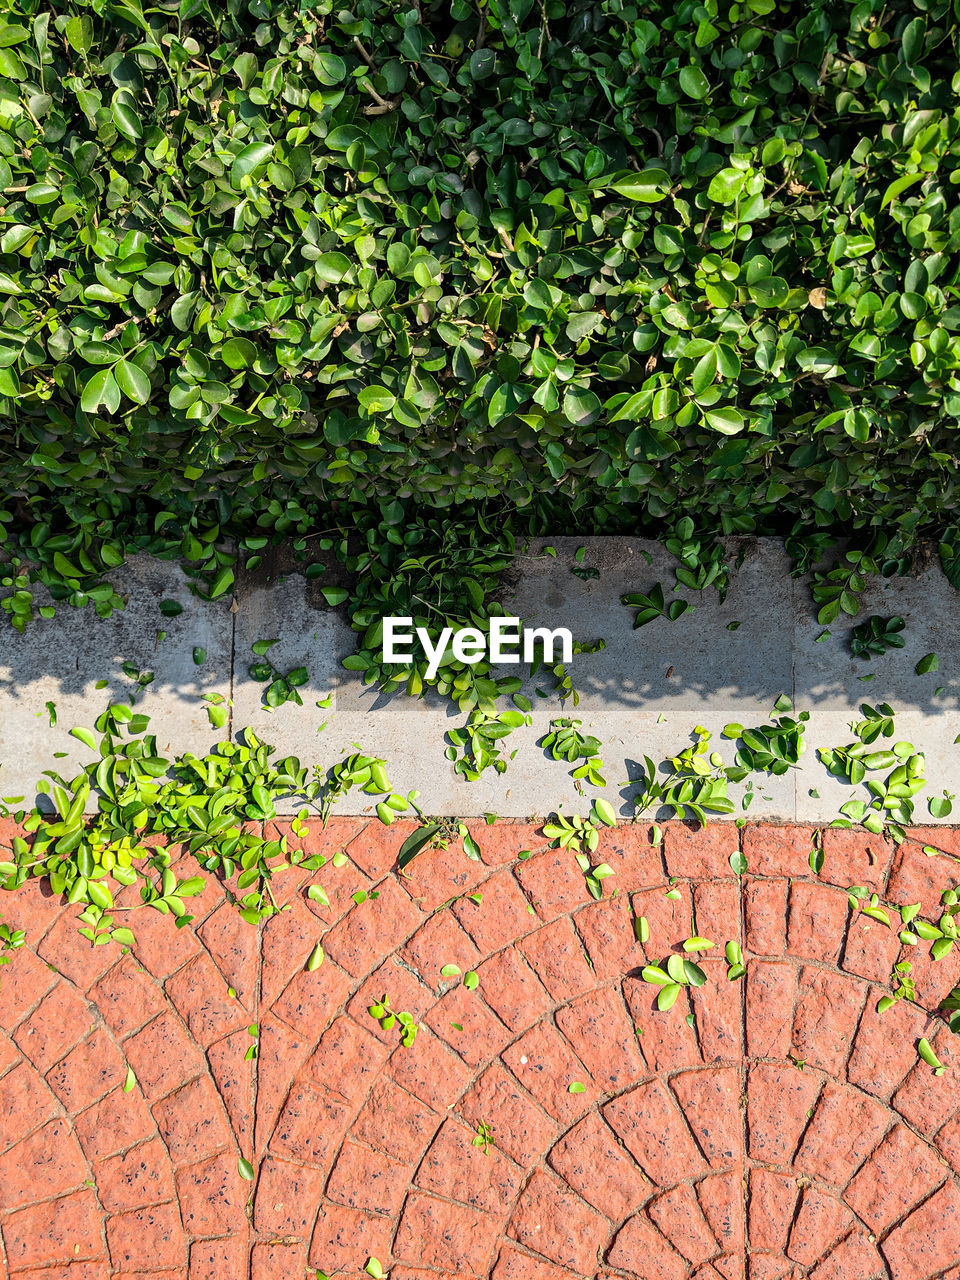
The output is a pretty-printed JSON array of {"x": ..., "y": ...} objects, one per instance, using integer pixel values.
[{"x": 363, "y": 53}]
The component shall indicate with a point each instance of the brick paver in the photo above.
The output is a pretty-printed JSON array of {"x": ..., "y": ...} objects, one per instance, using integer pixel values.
[{"x": 548, "y": 1124}]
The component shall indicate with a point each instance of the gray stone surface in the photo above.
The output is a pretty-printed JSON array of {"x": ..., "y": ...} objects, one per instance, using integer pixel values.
[
  {"x": 829, "y": 682},
  {"x": 642, "y": 695},
  {"x": 62, "y": 659}
]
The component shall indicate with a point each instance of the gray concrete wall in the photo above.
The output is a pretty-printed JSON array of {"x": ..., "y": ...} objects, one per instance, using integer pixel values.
[{"x": 642, "y": 695}]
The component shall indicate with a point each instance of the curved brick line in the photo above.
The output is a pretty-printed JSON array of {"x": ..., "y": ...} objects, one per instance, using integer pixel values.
[
  {"x": 209, "y": 1193},
  {"x": 51, "y": 1203},
  {"x": 904, "y": 1257},
  {"x": 838, "y": 973},
  {"x": 540, "y": 1164},
  {"x": 359, "y": 982},
  {"x": 508, "y": 1041},
  {"x": 787, "y": 1169},
  {"x": 865, "y": 1019},
  {"x": 940, "y": 1181},
  {"x": 752, "y": 1136},
  {"x": 95, "y": 1179},
  {"x": 560, "y": 1006},
  {"x": 120, "y": 1208},
  {"x": 412, "y": 1185},
  {"x": 400, "y": 945},
  {"x": 826, "y": 1242},
  {"x": 654, "y": 1190},
  {"x": 548, "y": 1017},
  {"x": 205, "y": 906},
  {"x": 895, "y": 1123}
]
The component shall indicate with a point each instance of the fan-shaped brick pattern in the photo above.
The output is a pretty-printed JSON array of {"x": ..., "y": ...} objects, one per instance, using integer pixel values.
[{"x": 550, "y": 1124}]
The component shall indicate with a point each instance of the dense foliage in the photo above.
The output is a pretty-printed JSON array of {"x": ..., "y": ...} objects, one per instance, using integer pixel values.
[
  {"x": 270, "y": 270},
  {"x": 150, "y": 809}
]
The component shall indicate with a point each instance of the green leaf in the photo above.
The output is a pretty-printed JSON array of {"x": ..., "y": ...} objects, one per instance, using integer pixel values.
[
  {"x": 726, "y": 420},
  {"x": 245, "y": 1169},
  {"x": 238, "y": 353},
  {"x": 925, "y": 1050},
  {"x": 10, "y": 65},
  {"x": 376, "y": 399},
  {"x": 260, "y": 647},
  {"x": 332, "y": 267},
  {"x": 245, "y": 68},
  {"x": 605, "y": 812},
  {"x": 912, "y": 40},
  {"x": 218, "y": 716},
  {"x": 704, "y": 372},
  {"x": 927, "y": 664},
  {"x": 99, "y": 894},
  {"x": 126, "y": 119},
  {"x": 11, "y": 34},
  {"x": 328, "y": 67},
  {"x": 250, "y": 158},
  {"x": 482, "y": 64},
  {"x": 667, "y": 996},
  {"x": 132, "y": 381},
  {"x": 645, "y": 187},
  {"x": 222, "y": 582},
  {"x": 693, "y": 82},
  {"x": 899, "y": 185},
  {"x": 471, "y": 848},
  {"x": 79, "y": 33},
  {"x": 414, "y": 842},
  {"x": 940, "y": 806},
  {"x": 101, "y": 389}
]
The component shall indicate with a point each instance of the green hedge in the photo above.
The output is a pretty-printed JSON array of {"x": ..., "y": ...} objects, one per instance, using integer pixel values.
[{"x": 268, "y": 270}]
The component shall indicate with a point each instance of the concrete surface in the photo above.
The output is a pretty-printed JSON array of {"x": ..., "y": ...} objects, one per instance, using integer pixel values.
[
  {"x": 61, "y": 660},
  {"x": 642, "y": 695}
]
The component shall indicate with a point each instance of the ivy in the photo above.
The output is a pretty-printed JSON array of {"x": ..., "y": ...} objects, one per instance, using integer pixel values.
[
  {"x": 427, "y": 280},
  {"x": 147, "y": 806},
  {"x": 876, "y": 635},
  {"x": 566, "y": 742}
]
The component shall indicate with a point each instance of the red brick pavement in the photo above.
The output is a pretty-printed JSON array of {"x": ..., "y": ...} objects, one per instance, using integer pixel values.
[{"x": 768, "y": 1129}]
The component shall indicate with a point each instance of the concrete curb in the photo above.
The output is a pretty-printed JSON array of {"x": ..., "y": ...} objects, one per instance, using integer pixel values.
[{"x": 642, "y": 695}]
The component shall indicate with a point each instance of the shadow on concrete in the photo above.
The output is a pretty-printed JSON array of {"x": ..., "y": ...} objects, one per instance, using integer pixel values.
[{"x": 642, "y": 694}]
